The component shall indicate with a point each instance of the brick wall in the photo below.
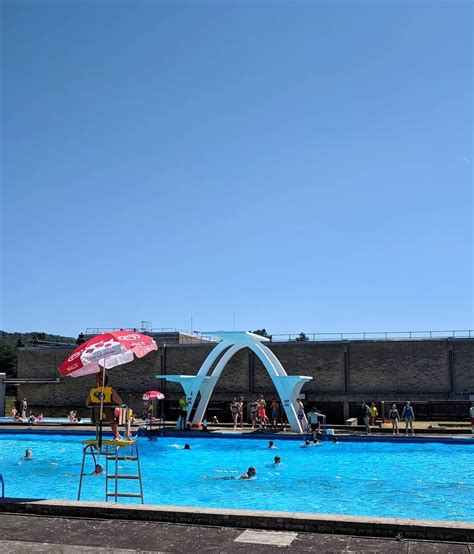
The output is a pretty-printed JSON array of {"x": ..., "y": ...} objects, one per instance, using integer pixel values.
[{"x": 375, "y": 370}]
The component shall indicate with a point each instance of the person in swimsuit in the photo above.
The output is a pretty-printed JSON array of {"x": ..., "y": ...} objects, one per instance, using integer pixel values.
[
  {"x": 408, "y": 415},
  {"x": 366, "y": 417},
  {"x": 234, "y": 410},
  {"x": 275, "y": 408},
  {"x": 251, "y": 472},
  {"x": 253, "y": 412},
  {"x": 28, "y": 455},
  {"x": 240, "y": 412},
  {"x": 394, "y": 417},
  {"x": 261, "y": 413},
  {"x": 98, "y": 470}
]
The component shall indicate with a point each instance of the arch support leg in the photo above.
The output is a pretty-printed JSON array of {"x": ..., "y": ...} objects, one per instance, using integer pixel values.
[{"x": 289, "y": 388}]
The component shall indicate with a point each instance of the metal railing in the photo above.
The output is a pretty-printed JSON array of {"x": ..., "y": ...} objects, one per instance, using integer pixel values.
[
  {"x": 99, "y": 330},
  {"x": 373, "y": 335},
  {"x": 291, "y": 337},
  {"x": 92, "y": 331}
]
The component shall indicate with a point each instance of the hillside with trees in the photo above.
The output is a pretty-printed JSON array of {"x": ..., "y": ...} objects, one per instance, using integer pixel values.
[{"x": 10, "y": 342}]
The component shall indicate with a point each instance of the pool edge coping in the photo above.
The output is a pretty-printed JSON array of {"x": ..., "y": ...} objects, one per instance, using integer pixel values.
[
  {"x": 265, "y": 520},
  {"x": 466, "y": 439}
]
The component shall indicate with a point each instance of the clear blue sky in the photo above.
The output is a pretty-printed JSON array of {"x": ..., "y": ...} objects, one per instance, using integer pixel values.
[{"x": 306, "y": 165}]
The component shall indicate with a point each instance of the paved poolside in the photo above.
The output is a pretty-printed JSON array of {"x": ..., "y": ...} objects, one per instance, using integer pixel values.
[{"x": 27, "y": 533}]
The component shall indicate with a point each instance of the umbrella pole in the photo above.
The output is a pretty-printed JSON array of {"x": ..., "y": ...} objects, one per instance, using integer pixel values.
[{"x": 101, "y": 406}]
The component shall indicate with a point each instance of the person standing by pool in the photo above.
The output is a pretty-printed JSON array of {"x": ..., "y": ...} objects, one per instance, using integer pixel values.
[
  {"x": 253, "y": 412},
  {"x": 183, "y": 413},
  {"x": 275, "y": 408},
  {"x": 300, "y": 409},
  {"x": 373, "y": 414},
  {"x": 313, "y": 420},
  {"x": 261, "y": 413},
  {"x": 240, "y": 410},
  {"x": 408, "y": 415},
  {"x": 366, "y": 417},
  {"x": 394, "y": 417},
  {"x": 24, "y": 408},
  {"x": 234, "y": 410}
]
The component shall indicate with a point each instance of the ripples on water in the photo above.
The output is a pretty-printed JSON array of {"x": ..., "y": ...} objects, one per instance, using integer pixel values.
[{"x": 425, "y": 481}]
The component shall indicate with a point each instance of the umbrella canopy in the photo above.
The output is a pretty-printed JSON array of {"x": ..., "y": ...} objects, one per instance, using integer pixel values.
[
  {"x": 153, "y": 395},
  {"x": 107, "y": 350}
]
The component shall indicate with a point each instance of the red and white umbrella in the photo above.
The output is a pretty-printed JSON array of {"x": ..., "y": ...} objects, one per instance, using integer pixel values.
[
  {"x": 153, "y": 395},
  {"x": 107, "y": 350}
]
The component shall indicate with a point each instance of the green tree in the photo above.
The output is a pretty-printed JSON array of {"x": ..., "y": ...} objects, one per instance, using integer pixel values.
[
  {"x": 302, "y": 338},
  {"x": 8, "y": 360},
  {"x": 262, "y": 333}
]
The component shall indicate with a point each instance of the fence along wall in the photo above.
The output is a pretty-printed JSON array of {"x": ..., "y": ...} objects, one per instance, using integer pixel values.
[{"x": 343, "y": 373}]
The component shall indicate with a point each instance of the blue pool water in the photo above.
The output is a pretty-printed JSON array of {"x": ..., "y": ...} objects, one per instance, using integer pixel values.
[{"x": 424, "y": 481}]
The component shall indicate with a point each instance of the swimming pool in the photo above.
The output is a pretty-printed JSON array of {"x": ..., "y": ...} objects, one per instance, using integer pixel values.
[{"x": 423, "y": 481}]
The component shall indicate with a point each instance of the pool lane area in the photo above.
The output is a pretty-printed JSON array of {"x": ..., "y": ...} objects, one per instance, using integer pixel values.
[{"x": 426, "y": 481}]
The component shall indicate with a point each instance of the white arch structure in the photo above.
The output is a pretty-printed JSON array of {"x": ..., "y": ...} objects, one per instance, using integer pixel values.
[{"x": 287, "y": 386}]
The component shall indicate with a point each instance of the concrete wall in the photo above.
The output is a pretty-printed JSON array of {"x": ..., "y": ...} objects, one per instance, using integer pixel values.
[{"x": 343, "y": 372}]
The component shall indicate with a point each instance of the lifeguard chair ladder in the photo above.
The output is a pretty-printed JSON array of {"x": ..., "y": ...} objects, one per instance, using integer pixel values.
[{"x": 113, "y": 451}]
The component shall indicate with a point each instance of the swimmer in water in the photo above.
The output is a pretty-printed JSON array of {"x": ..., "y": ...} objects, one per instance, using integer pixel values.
[
  {"x": 98, "y": 470},
  {"x": 271, "y": 445},
  {"x": 307, "y": 444},
  {"x": 187, "y": 447},
  {"x": 28, "y": 455},
  {"x": 276, "y": 463},
  {"x": 251, "y": 472}
]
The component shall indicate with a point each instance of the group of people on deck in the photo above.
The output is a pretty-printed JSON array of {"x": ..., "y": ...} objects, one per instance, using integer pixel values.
[
  {"x": 370, "y": 413},
  {"x": 259, "y": 417}
]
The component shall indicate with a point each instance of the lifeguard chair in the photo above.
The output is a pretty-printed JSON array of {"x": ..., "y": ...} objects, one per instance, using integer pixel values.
[{"x": 114, "y": 451}]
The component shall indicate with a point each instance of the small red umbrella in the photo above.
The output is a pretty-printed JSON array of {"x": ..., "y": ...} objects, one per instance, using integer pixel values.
[
  {"x": 153, "y": 395},
  {"x": 107, "y": 350}
]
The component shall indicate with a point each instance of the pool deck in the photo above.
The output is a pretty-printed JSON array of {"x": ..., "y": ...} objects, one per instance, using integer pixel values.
[
  {"x": 65, "y": 535},
  {"x": 295, "y": 522},
  {"x": 343, "y": 433}
]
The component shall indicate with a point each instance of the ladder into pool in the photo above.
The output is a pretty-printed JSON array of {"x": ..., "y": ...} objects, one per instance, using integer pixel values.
[{"x": 114, "y": 451}]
